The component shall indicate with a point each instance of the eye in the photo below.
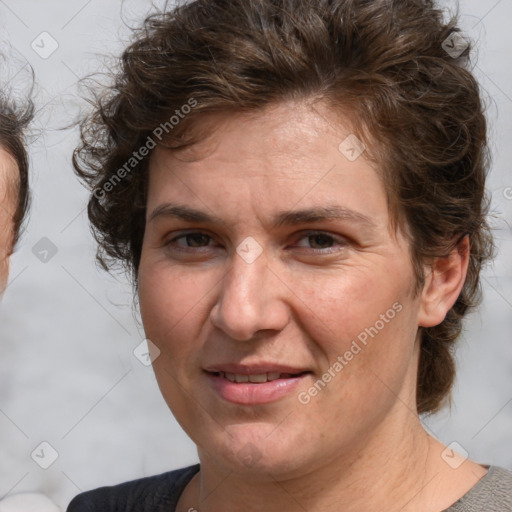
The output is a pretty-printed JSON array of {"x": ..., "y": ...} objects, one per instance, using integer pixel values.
[
  {"x": 325, "y": 240},
  {"x": 196, "y": 239}
]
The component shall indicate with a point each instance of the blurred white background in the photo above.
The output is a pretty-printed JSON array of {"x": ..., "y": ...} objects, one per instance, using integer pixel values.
[{"x": 68, "y": 376}]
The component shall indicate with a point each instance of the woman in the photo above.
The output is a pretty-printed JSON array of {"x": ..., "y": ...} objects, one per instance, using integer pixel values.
[{"x": 238, "y": 136}]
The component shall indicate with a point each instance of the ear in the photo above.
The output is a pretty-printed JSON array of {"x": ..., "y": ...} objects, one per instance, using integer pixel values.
[{"x": 443, "y": 285}]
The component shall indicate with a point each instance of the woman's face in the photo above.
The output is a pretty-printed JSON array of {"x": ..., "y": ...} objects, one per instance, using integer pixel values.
[
  {"x": 8, "y": 170},
  {"x": 324, "y": 308}
]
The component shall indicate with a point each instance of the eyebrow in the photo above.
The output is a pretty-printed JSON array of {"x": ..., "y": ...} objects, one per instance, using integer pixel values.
[{"x": 282, "y": 218}]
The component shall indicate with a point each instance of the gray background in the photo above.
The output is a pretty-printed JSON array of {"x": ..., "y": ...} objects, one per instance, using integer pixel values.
[{"x": 68, "y": 375}]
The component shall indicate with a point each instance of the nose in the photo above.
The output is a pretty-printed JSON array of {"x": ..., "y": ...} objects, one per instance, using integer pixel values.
[{"x": 252, "y": 298}]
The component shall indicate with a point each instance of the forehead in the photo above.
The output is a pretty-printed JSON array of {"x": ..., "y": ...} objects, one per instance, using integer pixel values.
[
  {"x": 280, "y": 130},
  {"x": 288, "y": 156}
]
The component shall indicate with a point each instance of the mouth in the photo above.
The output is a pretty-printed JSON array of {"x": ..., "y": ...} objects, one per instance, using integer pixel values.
[{"x": 254, "y": 388}]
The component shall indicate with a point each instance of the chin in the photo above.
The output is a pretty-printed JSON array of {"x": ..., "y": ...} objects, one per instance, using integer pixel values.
[{"x": 253, "y": 450}]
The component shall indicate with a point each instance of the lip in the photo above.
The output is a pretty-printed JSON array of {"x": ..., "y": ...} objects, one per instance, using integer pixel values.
[{"x": 248, "y": 393}]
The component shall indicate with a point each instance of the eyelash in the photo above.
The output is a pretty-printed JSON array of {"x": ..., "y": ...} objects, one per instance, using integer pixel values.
[{"x": 328, "y": 250}]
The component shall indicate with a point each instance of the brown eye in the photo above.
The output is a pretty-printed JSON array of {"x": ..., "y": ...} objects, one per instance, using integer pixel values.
[
  {"x": 192, "y": 240},
  {"x": 195, "y": 239},
  {"x": 321, "y": 242},
  {"x": 321, "y": 239}
]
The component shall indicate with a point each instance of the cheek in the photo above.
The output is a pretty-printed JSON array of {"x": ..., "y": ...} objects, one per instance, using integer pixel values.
[
  {"x": 171, "y": 315},
  {"x": 369, "y": 321},
  {"x": 347, "y": 305},
  {"x": 172, "y": 305}
]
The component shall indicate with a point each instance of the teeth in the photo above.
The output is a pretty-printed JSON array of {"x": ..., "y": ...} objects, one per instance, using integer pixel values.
[
  {"x": 257, "y": 378},
  {"x": 262, "y": 377}
]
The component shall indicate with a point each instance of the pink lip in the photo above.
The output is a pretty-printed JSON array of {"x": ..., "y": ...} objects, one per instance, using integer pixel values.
[{"x": 249, "y": 393}]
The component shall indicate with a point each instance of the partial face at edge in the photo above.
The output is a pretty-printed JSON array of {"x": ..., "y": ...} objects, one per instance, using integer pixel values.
[
  {"x": 315, "y": 288},
  {"x": 8, "y": 177}
]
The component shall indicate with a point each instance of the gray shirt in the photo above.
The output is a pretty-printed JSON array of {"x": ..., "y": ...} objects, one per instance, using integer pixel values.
[{"x": 492, "y": 493}]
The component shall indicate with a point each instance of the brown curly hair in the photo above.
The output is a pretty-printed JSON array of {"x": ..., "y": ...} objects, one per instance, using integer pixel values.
[{"x": 396, "y": 66}]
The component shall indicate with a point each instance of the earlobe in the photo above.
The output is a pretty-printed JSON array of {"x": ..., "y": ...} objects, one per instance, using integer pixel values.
[{"x": 443, "y": 284}]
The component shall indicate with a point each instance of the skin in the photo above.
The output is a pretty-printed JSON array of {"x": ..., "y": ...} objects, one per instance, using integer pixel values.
[
  {"x": 301, "y": 303},
  {"x": 8, "y": 174}
]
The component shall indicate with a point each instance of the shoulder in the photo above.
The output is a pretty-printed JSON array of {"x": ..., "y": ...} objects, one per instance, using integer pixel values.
[
  {"x": 154, "y": 493},
  {"x": 493, "y": 493}
]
